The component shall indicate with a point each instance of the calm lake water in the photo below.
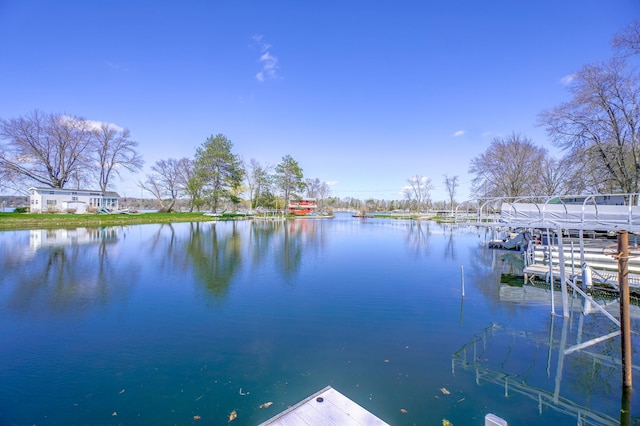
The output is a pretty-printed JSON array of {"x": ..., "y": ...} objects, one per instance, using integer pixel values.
[{"x": 156, "y": 324}]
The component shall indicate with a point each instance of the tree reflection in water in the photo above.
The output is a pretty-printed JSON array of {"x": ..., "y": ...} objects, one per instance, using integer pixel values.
[
  {"x": 215, "y": 256},
  {"x": 66, "y": 269}
]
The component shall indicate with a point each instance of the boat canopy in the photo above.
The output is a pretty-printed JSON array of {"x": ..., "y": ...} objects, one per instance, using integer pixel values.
[{"x": 597, "y": 217}]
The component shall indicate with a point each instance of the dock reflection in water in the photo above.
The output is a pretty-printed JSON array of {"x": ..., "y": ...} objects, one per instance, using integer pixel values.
[{"x": 548, "y": 370}]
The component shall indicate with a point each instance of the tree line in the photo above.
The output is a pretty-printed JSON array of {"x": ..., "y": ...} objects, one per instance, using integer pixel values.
[
  {"x": 215, "y": 178},
  {"x": 596, "y": 130},
  {"x": 63, "y": 151}
]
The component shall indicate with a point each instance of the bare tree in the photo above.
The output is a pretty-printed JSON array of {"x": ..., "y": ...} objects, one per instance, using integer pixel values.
[
  {"x": 164, "y": 183},
  {"x": 45, "y": 148},
  {"x": 553, "y": 176},
  {"x": 191, "y": 183},
  {"x": 323, "y": 193},
  {"x": 419, "y": 191},
  {"x": 114, "y": 150},
  {"x": 312, "y": 187},
  {"x": 600, "y": 123},
  {"x": 451, "y": 183},
  {"x": 510, "y": 167},
  {"x": 627, "y": 42},
  {"x": 257, "y": 177}
]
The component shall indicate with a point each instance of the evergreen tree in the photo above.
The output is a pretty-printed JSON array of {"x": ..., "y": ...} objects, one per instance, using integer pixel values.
[
  {"x": 289, "y": 178},
  {"x": 219, "y": 170}
]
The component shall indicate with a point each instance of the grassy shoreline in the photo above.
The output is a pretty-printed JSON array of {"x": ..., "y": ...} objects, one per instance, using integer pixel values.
[{"x": 22, "y": 221}]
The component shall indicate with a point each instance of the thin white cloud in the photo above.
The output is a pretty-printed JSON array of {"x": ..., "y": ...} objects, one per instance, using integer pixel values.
[
  {"x": 268, "y": 61},
  {"x": 567, "y": 79},
  {"x": 458, "y": 133},
  {"x": 96, "y": 125},
  {"x": 331, "y": 182},
  {"x": 91, "y": 124},
  {"x": 117, "y": 67}
]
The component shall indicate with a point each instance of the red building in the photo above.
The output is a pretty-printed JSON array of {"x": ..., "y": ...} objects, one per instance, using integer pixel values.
[{"x": 303, "y": 206}]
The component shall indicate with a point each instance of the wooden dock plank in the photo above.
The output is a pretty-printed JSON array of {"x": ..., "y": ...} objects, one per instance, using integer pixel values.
[{"x": 335, "y": 409}]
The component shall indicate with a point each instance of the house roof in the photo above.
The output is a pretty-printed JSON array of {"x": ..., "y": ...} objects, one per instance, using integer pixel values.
[{"x": 111, "y": 194}]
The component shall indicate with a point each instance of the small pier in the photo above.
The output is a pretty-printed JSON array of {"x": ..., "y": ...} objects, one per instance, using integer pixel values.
[{"x": 327, "y": 407}]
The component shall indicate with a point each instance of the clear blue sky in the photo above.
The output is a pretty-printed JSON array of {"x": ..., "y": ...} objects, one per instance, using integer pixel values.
[{"x": 364, "y": 94}]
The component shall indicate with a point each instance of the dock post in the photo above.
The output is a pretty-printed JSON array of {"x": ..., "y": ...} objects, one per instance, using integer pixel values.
[
  {"x": 625, "y": 321},
  {"x": 551, "y": 279},
  {"x": 563, "y": 276},
  {"x": 462, "y": 278}
]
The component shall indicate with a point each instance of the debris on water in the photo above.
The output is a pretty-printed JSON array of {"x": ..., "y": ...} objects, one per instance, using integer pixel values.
[
  {"x": 196, "y": 417},
  {"x": 461, "y": 399},
  {"x": 266, "y": 405},
  {"x": 232, "y": 416},
  {"x": 243, "y": 393},
  {"x": 115, "y": 413},
  {"x": 444, "y": 391},
  {"x": 200, "y": 397},
  {"x": 446, "y": 422},
  {"x": 121, "y": 392},
  {"x": 386, "y": 360},
  {"x": 403, "y": 411}
]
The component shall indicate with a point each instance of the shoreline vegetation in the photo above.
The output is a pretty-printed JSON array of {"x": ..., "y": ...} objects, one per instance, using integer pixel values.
[{"x": 26, "y": 221}]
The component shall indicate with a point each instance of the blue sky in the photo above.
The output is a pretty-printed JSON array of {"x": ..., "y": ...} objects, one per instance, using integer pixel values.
[{"x": 363, "y": 94}]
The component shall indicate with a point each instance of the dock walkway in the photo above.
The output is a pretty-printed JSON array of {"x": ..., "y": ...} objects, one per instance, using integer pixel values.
[{"x": 327, "y": 407}]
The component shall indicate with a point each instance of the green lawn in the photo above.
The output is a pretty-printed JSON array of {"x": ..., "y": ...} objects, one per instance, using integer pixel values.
[{"x": 44, "y": 220}]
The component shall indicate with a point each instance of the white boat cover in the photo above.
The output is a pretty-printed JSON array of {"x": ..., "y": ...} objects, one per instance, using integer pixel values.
[{"x": 571, "y": 216}]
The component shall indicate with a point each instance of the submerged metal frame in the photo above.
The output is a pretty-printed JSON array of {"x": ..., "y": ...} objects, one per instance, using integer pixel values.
[{"x": 543, "y": 222}]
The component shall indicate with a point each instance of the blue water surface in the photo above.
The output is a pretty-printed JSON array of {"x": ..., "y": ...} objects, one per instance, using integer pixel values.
[{"x": 185, "y": 323}]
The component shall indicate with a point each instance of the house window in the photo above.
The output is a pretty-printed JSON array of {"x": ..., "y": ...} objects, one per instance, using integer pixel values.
[
  {"x": 51, "y": 192},
  {"x": 74, "y": 198},
  {"x": 51, "y": 202}
]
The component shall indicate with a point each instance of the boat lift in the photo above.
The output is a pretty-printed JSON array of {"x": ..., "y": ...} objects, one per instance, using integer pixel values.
[{"x": 608, "y": 213}]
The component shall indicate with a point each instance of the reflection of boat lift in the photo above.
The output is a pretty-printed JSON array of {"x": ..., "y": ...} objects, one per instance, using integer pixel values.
[
  {"x": 478, "y": 347},
  {"x": 560, "y": 214}
]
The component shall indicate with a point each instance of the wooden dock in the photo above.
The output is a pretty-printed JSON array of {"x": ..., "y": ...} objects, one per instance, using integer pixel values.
[{"x": 327, "y": 407}]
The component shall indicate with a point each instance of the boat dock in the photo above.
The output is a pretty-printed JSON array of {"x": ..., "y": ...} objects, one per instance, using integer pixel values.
[
  {"x": 327, "y": 407},
  {"x": 544, "y": 261}
]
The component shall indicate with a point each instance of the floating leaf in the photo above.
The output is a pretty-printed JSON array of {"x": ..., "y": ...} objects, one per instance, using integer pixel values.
[
  {"x": 115, "y": 413},
  {"x": 197, "y": 417},
  {"x": 266, "y": 404},
  {"x": 403, "y": 411},
  {"x": 232, "y": 416},
  {"x": 446, "y": 422},
  {"x": 445, "y": 391}
]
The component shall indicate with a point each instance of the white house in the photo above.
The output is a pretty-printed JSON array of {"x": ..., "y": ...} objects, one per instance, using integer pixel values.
[{"x": 77, "y": 200}]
